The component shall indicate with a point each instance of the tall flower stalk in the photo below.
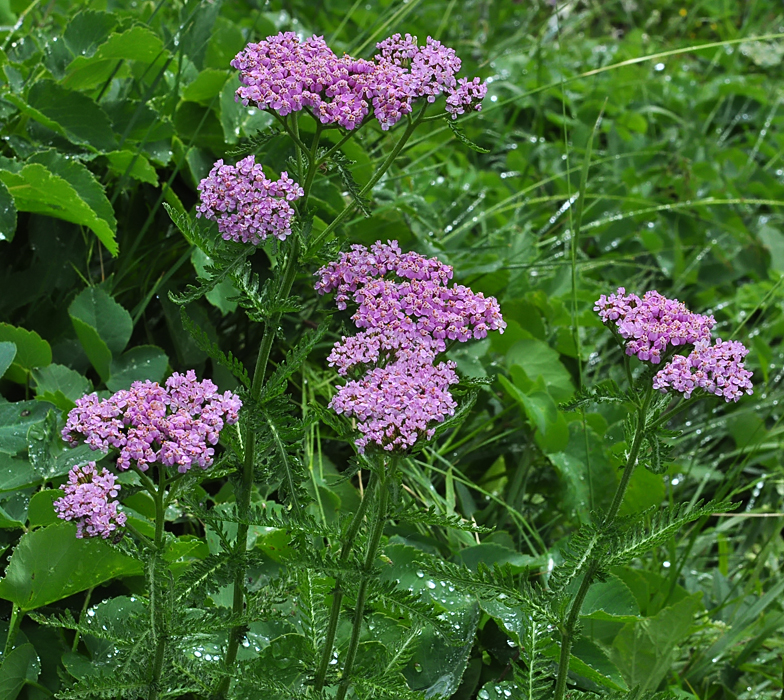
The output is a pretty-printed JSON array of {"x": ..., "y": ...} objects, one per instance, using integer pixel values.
[{"x": 653, "y": 329}]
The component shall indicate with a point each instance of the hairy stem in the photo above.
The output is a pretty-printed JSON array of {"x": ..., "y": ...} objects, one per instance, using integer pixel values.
[
  {"x": 157, "y": 614},
  {"x": 412, "y": 125},
  {"x": 337, "y": 596},
  {"x": 568, "y": 632},
  {"x": 377, "y": 528}
]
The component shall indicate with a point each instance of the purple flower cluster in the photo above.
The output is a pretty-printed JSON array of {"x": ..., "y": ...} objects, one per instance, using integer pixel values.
[
  {"x": 172, "y": 425},
  {"x": 285, "y": 74},
  {"x": 247, "y": 206},
  {"x": 408, "y": 313},
  {"x": 90, "y": 501},
  {"x": 717, "y": 369},
  {"x": 653, "y": 324}
]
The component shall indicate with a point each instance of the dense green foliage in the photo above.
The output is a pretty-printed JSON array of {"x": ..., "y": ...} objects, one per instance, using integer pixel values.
[{"x": 634, "y": 144}]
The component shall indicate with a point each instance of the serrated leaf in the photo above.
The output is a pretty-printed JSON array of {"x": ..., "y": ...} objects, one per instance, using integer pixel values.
[
  {"x": 98, "y": 310},
  {"x": 206, "y": 85},
  {"x": 60, "y": 385},
  {"x": 35, "y": 188},
  {"x": 135, "y": 44},
  {"x": 135, "y": 164},
  {"x": 71, "y": 114},
  {"x": 31, "y": 351},
  {"x": 460, "y": 136}
]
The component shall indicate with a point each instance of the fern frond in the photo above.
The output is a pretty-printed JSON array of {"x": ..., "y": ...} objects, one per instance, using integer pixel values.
[
  {"x": 604, "y": 392},
  {"x": 276, "y": 383},
  {"x": 204, "y": 343},
  {"x": 205, "y": 575},
  {"x": 640, "y": 539},
  {"x": 399, "y": 603},
  {"x": 536, "y": 677},
  {"x": 259, "y": 299},
  {"x": 460, "y": 136},
  {"x": 253, "y": 143},
  {"x": 123, "y": 685},
  {"x": 342, "y": 164},
  {"x": 413, "y": 514},
  {"x": 586, "y": 545},
  {"x": 385, "y": 687}
]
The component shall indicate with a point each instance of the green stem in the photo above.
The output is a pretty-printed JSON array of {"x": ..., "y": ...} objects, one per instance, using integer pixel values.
[
  {"x": 13, "y": 629},
  {"x": 568, "y": 633},
  {"x": 412, "y": 125},
  {"x": 246, "y": 487},
  {"x": 337, "y": 596},
  {"x": 377, "y": 529},
  {"x": 346, "y": 137},
  {"x": 157, "y": 614}
]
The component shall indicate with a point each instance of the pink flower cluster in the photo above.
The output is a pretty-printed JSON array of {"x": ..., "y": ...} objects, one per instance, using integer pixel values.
[
  {"x": 247, "y": 206},
  {"x": 90, "y": 501},
  {"x": 285, "y": 74},
  {"x": 408, "y": 313},
  {"x": 717, "y": 369},
  {"x": 173, "y": 425},
  {"x": 654, "y": 324},
  {"x": 651, "y": 324}
]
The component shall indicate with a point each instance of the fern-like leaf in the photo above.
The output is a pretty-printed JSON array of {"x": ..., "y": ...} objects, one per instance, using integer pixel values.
[
  {"x": 413, "y": 514},
  {"x": 640, "y": 539},
  {"x": 206, "y": 345},
  {"x": 343, "y": 164},
  {"x": 460, "y": 136},
  {"x": 605, "y": 392}
]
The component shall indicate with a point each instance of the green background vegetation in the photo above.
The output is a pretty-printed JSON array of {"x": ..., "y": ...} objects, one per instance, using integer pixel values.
[{"x": 110, "y": 109}]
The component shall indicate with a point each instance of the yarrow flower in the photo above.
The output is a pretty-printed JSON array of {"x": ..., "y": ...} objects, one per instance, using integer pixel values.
[
  {"x": 408, "y": 313},
  {"x": 173, "y": 425},
  {"x": 247, "y": 206},
  {"x": 90, "y": 500},
  {"x": 285, "y": 75},
  {"x": 651, "y": 324},
  {"x": 717, "y": 369},
  {"x": 654, "y": 324}
]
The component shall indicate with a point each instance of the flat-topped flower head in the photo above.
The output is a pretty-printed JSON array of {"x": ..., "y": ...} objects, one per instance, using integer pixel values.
[
  {"x": 247, "y": 206},
  {"x": 399, "y": 403},
  {"x": 468, "y": 95},
  {"x": 717, "y": 369},
  {"x": 173, "y": 425},
  {"x": 652, "y": 324},
  {"x": 90, "y": 501},
  {"x": 407, "y": 313},
  {"x": 286, "y": 75}
]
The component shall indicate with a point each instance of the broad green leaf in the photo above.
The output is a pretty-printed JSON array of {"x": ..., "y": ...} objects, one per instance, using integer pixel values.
[
  {"x": 139, "y": 363},
  {"x": 135, "y": 44},
  {"x": 538, "y": 359},
  {"x": 134, "y": 164},
  {"x": 609, "y": 599},
  {"x": 37, "y": 189},
  {"x": 552, "y": 430},
  {"x": 60, "y": 385},
  {"x": 7, "y": 354},
  {"x": 41, "y": 511},
  {"x": 16, "y": 473},
  {"x": 644, "y": 651},
  {"x": 592, "y": 663},
  {"x": 96, "y": 350},
  {"x": 15, "y": 420},
  {"x": 645, "y": 490},
  {"x": 489, "y": 553},
  {"x": 207, "y": 85},
  {"x": 31, "y": 351},
  {"x": 88, "y": 30},
  {"x": 82, "y": 180},
  {"x": 50, "y": 564},
  {"x": 588, "y": 477},
  {"x": 22, "y": 665},
  {"x": 219, "y": 295},
  {"x": 7, "y": 214},
  {"x": 9, "y": 522},
  {"x": 98, "y": 310},
  {"x": 81, "y": 119}
]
